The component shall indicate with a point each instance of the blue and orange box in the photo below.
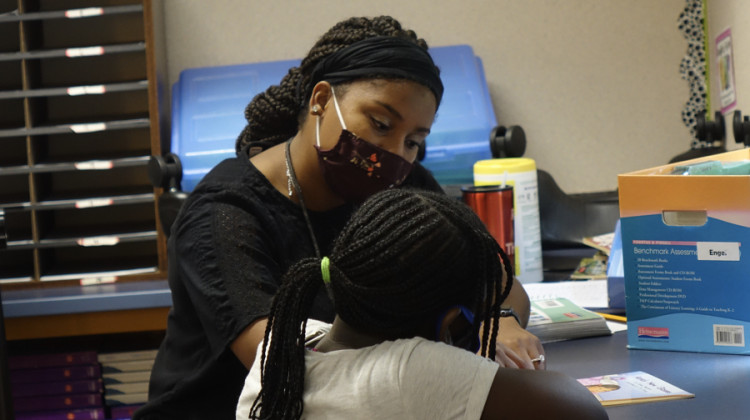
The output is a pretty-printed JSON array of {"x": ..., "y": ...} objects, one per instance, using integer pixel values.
[{"x": 687, "y": 282}]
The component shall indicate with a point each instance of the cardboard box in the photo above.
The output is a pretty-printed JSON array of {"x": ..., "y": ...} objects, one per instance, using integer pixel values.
[{"x": 687, "y": 282}]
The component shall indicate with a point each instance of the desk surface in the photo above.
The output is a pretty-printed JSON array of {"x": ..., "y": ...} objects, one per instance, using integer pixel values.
[{"x": 720, "y": 382}]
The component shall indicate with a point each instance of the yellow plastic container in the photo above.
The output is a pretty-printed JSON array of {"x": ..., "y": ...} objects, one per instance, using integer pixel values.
[{"x": 520, "y": 173}]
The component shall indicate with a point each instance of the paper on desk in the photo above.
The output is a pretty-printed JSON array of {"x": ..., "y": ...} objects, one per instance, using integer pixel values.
[
  {"x": 588, "y": 294},
  {"x": 617, "y": 326}
]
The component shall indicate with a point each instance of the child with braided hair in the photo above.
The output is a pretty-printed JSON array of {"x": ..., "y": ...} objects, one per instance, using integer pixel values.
[
  {"x": 348, "y": 122},
  {"x": 415, "y": 279}
]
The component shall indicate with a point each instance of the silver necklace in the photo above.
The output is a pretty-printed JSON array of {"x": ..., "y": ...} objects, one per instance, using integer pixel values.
[
  {"x": 288, "y": 173},
  {"x": 291, "y": 179}
]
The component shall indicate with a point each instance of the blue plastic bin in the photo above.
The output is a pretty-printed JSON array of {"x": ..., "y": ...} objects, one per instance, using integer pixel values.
[
  {"x": 208, "y": 107},
  {"x": 208, "y": 112}
]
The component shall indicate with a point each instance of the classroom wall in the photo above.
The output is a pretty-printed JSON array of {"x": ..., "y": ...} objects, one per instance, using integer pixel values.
[
  {"x": 595, "y": 84},
  {"x": 732, "y": 14}
]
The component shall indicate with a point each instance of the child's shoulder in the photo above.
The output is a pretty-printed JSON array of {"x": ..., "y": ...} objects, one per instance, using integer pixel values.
[{"x": 432, "y": 355}]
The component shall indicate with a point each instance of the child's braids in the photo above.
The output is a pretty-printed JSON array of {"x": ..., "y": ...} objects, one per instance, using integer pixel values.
[{"x": 403, "y": 259}]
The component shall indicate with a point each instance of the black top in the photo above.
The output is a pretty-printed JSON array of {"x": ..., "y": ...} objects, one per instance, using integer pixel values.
[{"x": 232, "y": 241}]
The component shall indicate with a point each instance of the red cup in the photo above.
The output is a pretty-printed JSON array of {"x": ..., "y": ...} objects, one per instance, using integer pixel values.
[{"x": 494, "y": 206}]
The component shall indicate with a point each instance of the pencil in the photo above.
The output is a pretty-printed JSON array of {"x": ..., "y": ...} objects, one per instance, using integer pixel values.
[{"x": 611, "y": 317}]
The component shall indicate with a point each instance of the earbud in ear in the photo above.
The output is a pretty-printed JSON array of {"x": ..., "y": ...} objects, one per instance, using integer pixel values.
[{"x": 316, "y": 110}]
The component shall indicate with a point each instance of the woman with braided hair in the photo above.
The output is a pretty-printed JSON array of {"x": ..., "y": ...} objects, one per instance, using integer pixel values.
[
  {"x": 415, "y": 279},
  {"x": 348, "y": 122}
]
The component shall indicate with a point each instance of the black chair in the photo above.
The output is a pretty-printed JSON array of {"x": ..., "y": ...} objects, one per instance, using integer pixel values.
[
  {"x": 166, "y": 172},
  {"x": 567, "y": 218},
  {"x": 711, "y": 132}
]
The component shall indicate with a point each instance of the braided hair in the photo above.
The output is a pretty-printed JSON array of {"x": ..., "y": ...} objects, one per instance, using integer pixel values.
[
  {"x": 403, "y": 258},
  {"x": 274, "y": 116}
]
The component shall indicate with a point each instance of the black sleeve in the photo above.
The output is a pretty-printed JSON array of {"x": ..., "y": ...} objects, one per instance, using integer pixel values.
[{"x": 225, "y": 265}]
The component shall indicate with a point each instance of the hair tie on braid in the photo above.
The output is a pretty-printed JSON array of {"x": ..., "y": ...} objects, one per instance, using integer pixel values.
[{"x": 325, "y": 270}]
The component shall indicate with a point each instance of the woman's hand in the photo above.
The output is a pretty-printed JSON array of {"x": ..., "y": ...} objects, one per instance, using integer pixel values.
[{"x": 516, "y": 347}]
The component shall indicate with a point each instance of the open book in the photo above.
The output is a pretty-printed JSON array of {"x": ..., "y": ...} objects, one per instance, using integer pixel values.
[
  {"x": 601, "y": 242},
  {"x": 558, "y": 319},
  {"x": 632, "y": 388}
]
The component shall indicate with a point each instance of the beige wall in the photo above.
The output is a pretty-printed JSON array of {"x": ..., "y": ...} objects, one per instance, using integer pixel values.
[
  {"x": 594, "y": 83},
  {"x": 733, "y": 14}
]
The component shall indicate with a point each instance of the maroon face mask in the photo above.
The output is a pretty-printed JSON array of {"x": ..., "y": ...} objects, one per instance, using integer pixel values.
[{"x": 356, "y": 169}]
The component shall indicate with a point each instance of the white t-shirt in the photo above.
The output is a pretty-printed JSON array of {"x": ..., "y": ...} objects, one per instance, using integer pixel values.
[{"x": 403, "y": 379}]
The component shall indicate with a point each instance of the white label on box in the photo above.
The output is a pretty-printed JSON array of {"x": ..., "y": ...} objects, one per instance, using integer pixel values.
[
  {"x": 729, "y": 335},
  {"x": 98, "y": 280},
  {"x": 84, "y": 51},
  {"x": 88, "y": 128},
  {"x": 81, "y": 13},
  {"x": 96, "y": 202},
  {"x": 99, "y": 241},
  {"x": 86, "y": 90},
  {"x": 718, "y": 251},
  {"x": 94, "y": 165}
]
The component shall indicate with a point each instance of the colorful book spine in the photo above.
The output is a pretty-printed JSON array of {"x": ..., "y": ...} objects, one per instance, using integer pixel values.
[
  {"x": 57, "y": 402},
  {"x": 55, "y": 374},
  {"x": 81, "y": 414},
  {"x": 122, "y": 412},
  {"x": 80, "y": 385},
  {"x": 52, "y": 360},
  {"x": 57, "y": 388}
]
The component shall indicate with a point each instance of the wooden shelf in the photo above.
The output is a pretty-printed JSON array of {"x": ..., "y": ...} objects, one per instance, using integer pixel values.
[
  {"x": 69, "y": 325},
  {"x": 74, "y": 13},
  {"x": 107, "y": 308},
  {"x": 80, "y": 114}
]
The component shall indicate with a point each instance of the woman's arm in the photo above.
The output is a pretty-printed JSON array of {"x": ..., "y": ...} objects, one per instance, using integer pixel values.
[
  {"x": 516, "y": 347},
  {"x": 529, "y": 395},
  {"x": 246, "y": 344},
  {"x": 519, "y": 301},
  {"x": 221, "y": 254}
]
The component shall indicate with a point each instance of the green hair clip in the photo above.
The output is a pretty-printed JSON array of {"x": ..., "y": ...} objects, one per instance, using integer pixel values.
[{"x": 324, "y": 269}]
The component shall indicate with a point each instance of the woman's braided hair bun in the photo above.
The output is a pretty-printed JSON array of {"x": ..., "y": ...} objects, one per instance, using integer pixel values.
[{"x": 274, "y": 116}]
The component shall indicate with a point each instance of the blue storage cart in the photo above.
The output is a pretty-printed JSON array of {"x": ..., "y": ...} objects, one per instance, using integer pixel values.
[{"x": 208, "y": 107}]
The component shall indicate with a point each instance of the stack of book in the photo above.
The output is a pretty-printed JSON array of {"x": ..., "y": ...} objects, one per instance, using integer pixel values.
[
  {"x": 558, "y": 319},
  {"x": 126, "y": 376},
  {"x": 56, "y": 386}
]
